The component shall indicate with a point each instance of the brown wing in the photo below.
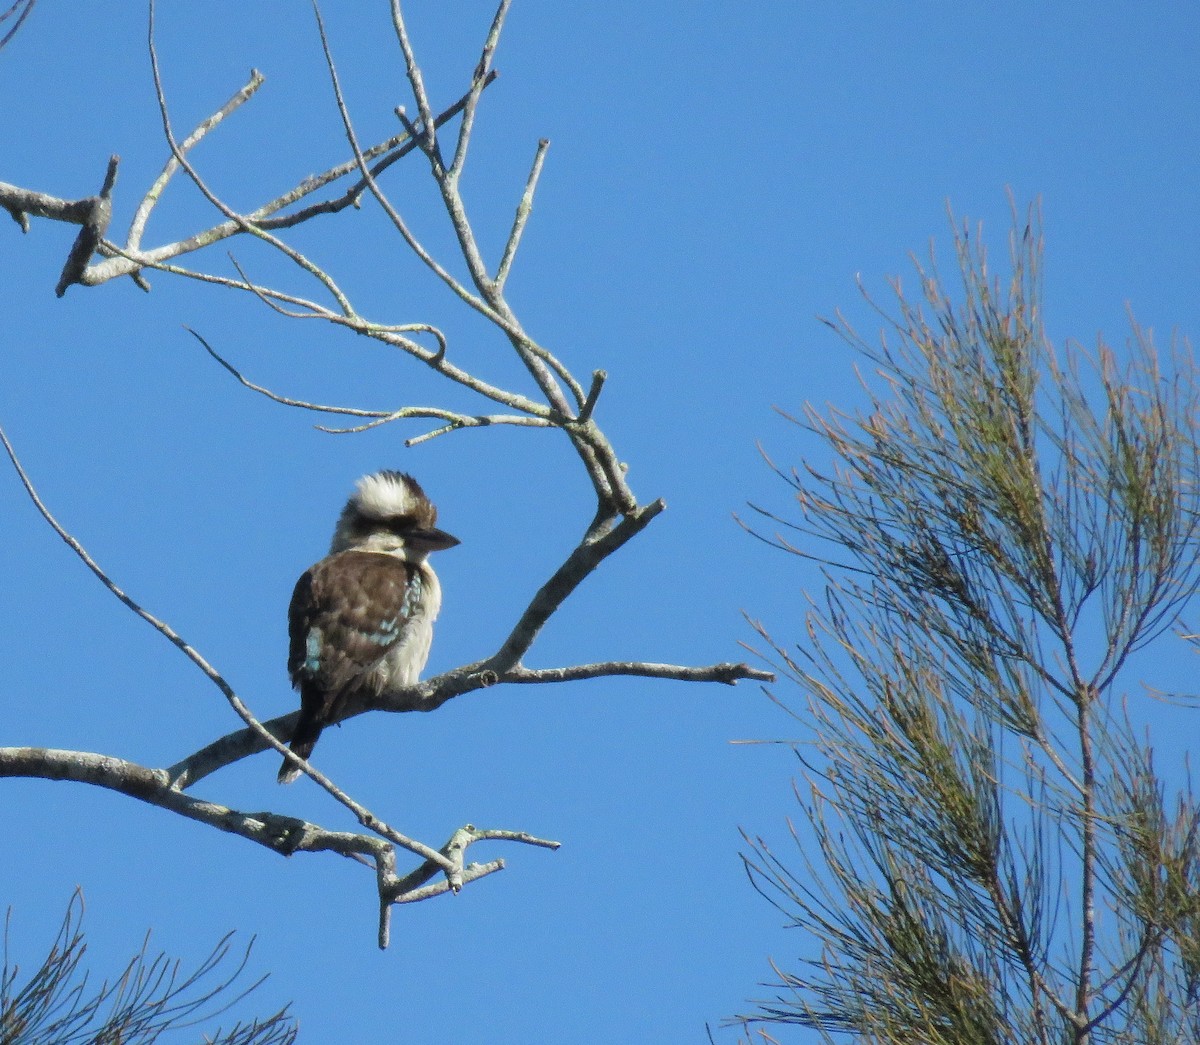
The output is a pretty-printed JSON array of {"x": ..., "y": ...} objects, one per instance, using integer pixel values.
[{"x": 345, "y": 614}]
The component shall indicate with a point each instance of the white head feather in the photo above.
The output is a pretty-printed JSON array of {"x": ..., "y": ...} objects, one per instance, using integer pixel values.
[{"x": 381, "y": 496}]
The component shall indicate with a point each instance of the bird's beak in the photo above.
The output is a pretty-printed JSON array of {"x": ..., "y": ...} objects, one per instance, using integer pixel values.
[{"x": 430, "y": 539}]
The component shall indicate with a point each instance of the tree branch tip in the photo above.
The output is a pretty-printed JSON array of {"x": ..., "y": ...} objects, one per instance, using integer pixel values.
[
  {"x": 589, "y": 403},
  {"x": 732, "y": 674},
  {"x": 209, "y": 349},
  {"x": 409, "y": 127}
]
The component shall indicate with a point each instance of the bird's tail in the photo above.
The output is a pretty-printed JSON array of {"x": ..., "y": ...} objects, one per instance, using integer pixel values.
[{"x": 303, "y": 741}]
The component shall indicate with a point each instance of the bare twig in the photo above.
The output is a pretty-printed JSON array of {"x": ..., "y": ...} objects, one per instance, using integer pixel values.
[
  {"x": 524, "y": 209},
  {"x": 728, "y": 673},
  {"x": 467, "y": 123},
  {"x": 246, "y": 224},
  {"x": 454, "y": 420},
  {"x": 394, "y": 216},
  {"x": 589, "y": 404},
  {"x": 20, "y": 203},
  {"x": 138, "y": 225},
  {"x": 21, "y": 9},
  {"x": 390, "y": 335},
  {"x": 426, "y": 138},
  {"x": 392, "y": 150}
]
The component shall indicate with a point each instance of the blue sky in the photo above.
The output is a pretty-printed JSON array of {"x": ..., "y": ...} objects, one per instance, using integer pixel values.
[{"x": 719, "y": 175}]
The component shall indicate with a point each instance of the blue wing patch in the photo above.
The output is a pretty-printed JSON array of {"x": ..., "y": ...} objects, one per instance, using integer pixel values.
[
  {"x": 312, "y": 652},
  {"x": 387, "y": 631},
  {"x": 412, "y": 594}
]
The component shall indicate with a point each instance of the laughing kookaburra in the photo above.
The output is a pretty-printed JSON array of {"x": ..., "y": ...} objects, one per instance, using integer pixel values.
[{"x": 361, "y": 619}]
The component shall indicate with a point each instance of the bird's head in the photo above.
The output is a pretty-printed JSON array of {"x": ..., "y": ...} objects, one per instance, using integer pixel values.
[{"x": 389, "y": 512}]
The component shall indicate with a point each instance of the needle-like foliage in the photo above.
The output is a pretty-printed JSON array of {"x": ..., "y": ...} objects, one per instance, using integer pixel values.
[
  {"x": 992, "y": 856},
  {"x": 152, "y": 998}
]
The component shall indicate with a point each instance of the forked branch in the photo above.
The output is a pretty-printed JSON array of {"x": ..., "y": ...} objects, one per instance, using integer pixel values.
[{"x": 284, "y": 835}]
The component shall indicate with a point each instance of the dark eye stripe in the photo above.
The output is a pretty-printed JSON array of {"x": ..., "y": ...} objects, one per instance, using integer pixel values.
[{"x": 401, "y": 523}]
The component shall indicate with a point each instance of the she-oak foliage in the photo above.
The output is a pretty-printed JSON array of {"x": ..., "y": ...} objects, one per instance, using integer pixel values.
[
  {"x": 993, "y": 857},
  {"x": 153, "y": 998}
]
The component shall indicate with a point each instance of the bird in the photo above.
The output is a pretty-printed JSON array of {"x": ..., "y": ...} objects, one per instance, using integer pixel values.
[{"x": 360, "y": 621}]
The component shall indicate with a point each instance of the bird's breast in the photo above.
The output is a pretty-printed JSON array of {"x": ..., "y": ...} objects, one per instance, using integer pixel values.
[{"x": 403, "y": 663}]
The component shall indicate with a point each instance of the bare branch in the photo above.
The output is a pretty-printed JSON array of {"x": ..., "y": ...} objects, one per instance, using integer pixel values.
[
  {"x": 270, "y": 298},
  {"x": 433, "y": 693},
  {"x": 590, "y": 552},
  {"x": 21, "y": 8},
  {"x": 610, "y": 486},
  {"x": 137, "y": 226},
  {"x": 390, "y": 335},
  {"x": 408, "y": 888},
  {"x": 161, "y": 627},
  {"x": 524, "y": 209},
  {"x": 426, "y": 138},
  {"x": 281, "y": 834},
  {"x": 401, "y": 226},
  {"x": 247, "y": 225},
  {"x": 589, "y": 404},
  {"x": 467, "y": 124},
  {"x": 19, "y": 202},
  {"x": 455, "y": 421},
  {"x": 94, "y": 225},
  {"x": 728, "y": 673},
  {"x": 392, "y": 150}
]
